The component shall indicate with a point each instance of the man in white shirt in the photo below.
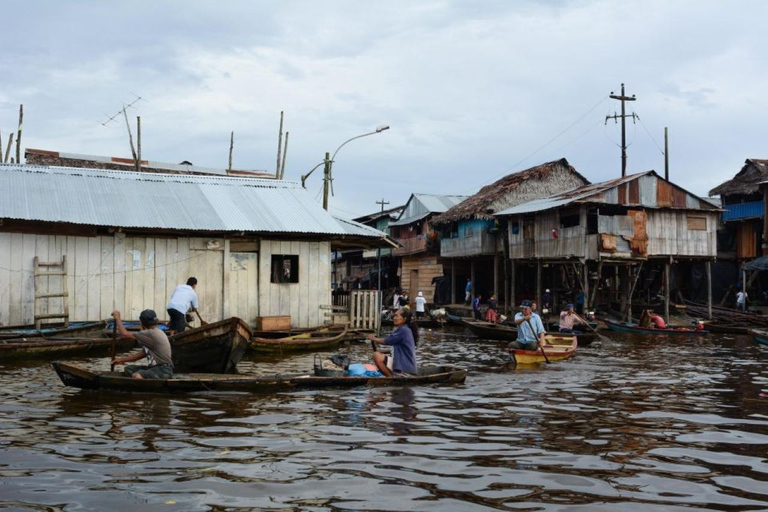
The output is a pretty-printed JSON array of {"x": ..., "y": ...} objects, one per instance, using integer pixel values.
[
  {"x": 741, "y": 300},
  {"x": 183, "y": 300},
  {"x": 421, "y": 302}
]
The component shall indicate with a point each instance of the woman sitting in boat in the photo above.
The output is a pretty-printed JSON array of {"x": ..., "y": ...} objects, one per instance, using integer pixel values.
[
  {"x": 403, "y": 340},
  {"x": 157, "y": 348},
  {"x": 650, "y": 320}
]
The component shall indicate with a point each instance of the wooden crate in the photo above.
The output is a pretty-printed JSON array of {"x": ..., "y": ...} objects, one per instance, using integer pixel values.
[{"x": 273, "y": 323}]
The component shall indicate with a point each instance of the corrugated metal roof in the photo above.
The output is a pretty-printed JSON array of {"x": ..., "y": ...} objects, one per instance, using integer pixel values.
[
  {"x": 164, "y": 201},
  {"x": 605, "y": 192},
  {"x": 421, "y": 205}
]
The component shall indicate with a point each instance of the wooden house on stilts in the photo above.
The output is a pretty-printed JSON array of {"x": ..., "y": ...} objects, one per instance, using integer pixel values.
[
  {"x": 613, "y": 238},
  {"x": 473, "y": 240}
]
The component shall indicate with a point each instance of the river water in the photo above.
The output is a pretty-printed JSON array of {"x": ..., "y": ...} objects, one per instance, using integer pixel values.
[{"x": 628, "y": 424}]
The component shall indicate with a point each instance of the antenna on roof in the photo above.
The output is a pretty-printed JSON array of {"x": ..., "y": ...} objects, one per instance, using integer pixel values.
[{"x": 122, "y": 110}]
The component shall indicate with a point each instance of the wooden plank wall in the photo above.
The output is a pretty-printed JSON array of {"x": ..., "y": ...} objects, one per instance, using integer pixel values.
[
  {"x": 428, "y": 266},
  {"x": 106, "y": 273},
  {"x": 300, "y": 300}
]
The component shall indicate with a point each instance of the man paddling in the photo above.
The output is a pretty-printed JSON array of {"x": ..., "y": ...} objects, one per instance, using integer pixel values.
[
  {"x": 568, "y": 319},
  {"x": 530, "y": 330},
  {"x": 155, "y": 345}
]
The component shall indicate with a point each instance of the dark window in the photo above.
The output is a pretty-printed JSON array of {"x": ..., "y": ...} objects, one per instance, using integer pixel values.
[
  {"x": 515, "y": 227},
  {"x": 569, "y": 218},
  {"x": 285, "y": 268}
]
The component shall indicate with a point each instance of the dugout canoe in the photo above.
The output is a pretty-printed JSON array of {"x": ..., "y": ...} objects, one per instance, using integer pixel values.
[
  {"x": 491, "y": 331},
  {"x": 669, "y": 331},
  {"x": 319, "y": 339},
  {"x": 556, "y": 346},
  {"x": 214, "y": 348},
  {"x": 73, "y": 330},
  {"x": 759, "y": 335},
  {"x": 79, "y": 377},
  {"x": 56, "y": 347}
]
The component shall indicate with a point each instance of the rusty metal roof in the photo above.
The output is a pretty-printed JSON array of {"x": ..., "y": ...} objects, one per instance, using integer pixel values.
[
  {"x": 165, "y": 201},
  {"x": 615, "y": 192}
]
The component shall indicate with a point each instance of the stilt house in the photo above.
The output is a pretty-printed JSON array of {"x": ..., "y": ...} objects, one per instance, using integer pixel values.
[
  {"x": 603, "y": 239},
  {"x": 419, "y": 253},
  {"x": 472, "y": 238}
]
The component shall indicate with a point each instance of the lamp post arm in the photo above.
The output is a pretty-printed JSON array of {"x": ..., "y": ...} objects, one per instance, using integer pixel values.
[
  {"x": 305, "y": 176},
  {"x": 350, "y": 140}
]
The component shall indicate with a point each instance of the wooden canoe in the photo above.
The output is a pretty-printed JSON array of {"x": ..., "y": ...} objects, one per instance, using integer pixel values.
[
  {"x": 55, "y": 347},
  {"x": 320, "y": 339},
  {"x": 79, "y": 377},
  {"x": 627, "y": 327},
  {"x": 556, "y": 346},
  {"x": 73, "y": 330},
  {"x": 759, "y": 335},
  {"x": 727, "y": 328},
  {"x": 215, "y": 348},
  {"x": 491, "y": 331}
]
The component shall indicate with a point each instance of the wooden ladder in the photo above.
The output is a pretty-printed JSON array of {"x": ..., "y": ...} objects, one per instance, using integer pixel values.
[{"x": 55, "y": 268}]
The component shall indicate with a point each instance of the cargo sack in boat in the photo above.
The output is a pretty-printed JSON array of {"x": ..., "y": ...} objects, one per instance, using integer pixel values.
[{"x": 356, "y": 370}]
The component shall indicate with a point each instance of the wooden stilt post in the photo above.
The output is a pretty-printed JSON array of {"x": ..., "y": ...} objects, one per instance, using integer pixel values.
[
  {"x": 667, "y": 268},
  {"x": 709, "y": 289},
  {"x": 472, "y": 278},
  {"x": 453, "y": 280},
  {"x": 495, "y": 275},
  {"x": 512, "y": 298},
  {"x": 538, "y": 280}
]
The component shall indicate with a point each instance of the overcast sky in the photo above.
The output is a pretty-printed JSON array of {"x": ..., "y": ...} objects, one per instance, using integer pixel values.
[{"x": 472, "y": 90}]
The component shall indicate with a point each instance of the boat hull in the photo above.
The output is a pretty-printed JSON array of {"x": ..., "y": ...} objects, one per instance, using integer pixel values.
[
  {"x": 315, "y": 340},
  {"x": 557, "y": 347},
  {"x": 759, "y": 335},
  {"x": 74, "y": 330},
  {"x": 57, "y": 347},
  {"x": 680, "y": 331},
  {"x": 215, "y": 348},
  {"x": 491, "y": 331},
  {"x": 75, "y": 376}
]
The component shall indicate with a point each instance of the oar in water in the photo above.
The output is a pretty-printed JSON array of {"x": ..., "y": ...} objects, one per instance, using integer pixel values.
[{"x": 602, "y": 338}]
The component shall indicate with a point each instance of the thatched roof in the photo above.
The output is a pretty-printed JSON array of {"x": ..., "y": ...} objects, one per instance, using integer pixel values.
[
  {"x": 746, "y": 182},
  {"x": 541, "y": 181}
]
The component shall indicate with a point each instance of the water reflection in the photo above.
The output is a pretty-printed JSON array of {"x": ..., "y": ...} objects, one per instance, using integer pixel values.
[{"x": 632, "y": 424}]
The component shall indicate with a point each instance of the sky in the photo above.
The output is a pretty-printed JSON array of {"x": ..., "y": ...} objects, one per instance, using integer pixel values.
[{"x": 472, "y": 91}]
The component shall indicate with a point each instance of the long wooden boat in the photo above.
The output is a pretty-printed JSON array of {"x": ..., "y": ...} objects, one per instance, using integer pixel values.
[
  {"x": 727, "y": 328},
  {"x": 491, "y": 331},
  {"x": 55, "y": 347},
  {"x": 73, "y": 330},
  {"x": 556, "y": 346},
  {"x": 759, "y": 335},
  {"x": 316, "y": 340},
  {"x": 627, "y": 327},
  {"x": 216, "y": 347},
  {"x": 79, "y": 377}
]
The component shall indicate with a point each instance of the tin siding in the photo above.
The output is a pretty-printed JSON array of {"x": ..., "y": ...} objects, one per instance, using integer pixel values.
[{"x": 669, "y": 235}]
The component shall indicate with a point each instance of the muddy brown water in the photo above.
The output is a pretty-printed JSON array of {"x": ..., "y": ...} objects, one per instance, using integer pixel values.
[{"x": 632, "y": 424}]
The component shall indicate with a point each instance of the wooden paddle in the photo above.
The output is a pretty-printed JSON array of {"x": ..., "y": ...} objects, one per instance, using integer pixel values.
[
  {"x": 602, "y": 338},
  {"x": 114, "y": 343},
  {"x": 541, "y": 347},
  {"x": 202, "y": 322}
]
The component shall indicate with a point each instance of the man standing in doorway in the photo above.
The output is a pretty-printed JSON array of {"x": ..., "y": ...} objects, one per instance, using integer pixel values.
[
  {"x": 468, "y": 292},
  {"x": 183, "y": 300}
]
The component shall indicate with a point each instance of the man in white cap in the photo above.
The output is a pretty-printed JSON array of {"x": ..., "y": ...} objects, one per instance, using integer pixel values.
[
  {"x": 421, "y": 303},
  {"x": 530, "y": 330}
]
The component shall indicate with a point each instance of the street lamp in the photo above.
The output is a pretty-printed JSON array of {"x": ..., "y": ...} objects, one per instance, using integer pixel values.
[{"x": 328, "y": 163}]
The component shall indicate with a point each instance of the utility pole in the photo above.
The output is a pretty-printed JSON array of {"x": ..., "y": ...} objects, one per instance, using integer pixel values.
[
  {"x": 378, "y": 251},
  {"x": 666, "y": 154},
  {"x": 326, "y": 179},
  {"x": 623, "y": 98}
]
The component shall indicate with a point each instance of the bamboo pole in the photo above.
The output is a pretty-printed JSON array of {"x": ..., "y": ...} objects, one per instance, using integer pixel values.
[
  {"x": 130, "y": 135},
  {"x": 1, "y": 148},
  {"x": 8, "y": 148},
  {"x": 231, "y": 147},
  {"x": 285, "y": 152},
  {"x": 138, "y": 143},
  {"x": 18, "y": 137},
  {"x": 279, "y": 145}
]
